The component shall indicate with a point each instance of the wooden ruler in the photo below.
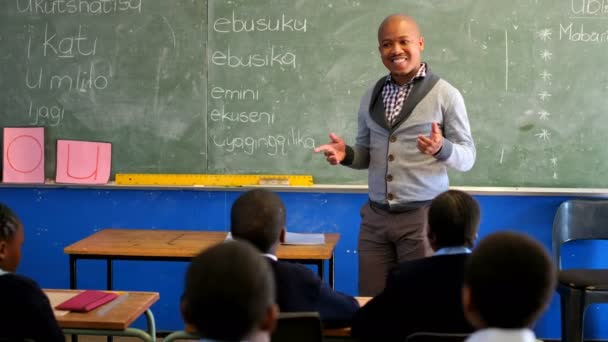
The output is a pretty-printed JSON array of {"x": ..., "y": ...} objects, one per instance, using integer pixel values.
[{"x": 212, "y": 179}]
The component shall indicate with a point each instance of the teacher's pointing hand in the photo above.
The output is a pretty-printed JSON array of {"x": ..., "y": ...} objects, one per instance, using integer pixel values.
[{"x": 334, "y": 151}]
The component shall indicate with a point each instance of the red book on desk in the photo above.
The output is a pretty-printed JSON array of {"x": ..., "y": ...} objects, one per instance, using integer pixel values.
[{"x": 86, "y": 301}]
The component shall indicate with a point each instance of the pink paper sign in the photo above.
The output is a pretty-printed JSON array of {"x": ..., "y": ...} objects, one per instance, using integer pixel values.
[
  {"x": 23, "y": 156},
  {"x": 83, "y": 162}
]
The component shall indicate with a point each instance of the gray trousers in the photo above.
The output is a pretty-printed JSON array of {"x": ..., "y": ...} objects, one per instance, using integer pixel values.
[{"x": 386, "y": 239}]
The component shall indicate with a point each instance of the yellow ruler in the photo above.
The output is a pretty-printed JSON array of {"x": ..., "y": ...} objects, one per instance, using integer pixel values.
[{"x": 212, "y": 179}]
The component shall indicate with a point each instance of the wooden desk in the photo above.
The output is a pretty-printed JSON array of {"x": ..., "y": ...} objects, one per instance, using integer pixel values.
[
  {"x": 180, "y": 245},
  {"x": 111, "y": 319}
]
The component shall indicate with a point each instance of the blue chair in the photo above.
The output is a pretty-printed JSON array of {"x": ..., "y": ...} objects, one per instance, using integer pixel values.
[{"x": 578, "y": 288}]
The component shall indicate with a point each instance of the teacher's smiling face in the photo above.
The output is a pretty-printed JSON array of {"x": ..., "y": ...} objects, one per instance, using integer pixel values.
[{"x": 400, "y": 45}]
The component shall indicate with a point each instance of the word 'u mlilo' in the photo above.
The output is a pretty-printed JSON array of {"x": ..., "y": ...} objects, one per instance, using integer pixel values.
[{"x": 81, "y": 80}]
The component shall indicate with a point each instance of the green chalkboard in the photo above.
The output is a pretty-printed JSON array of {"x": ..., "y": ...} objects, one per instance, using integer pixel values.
[
  {"x": 130, "y": 72},
  {"x": 247, "y": 86}
]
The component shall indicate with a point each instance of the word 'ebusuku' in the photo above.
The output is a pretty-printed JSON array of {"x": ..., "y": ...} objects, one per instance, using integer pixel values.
[{"x": 236, "y": 24}]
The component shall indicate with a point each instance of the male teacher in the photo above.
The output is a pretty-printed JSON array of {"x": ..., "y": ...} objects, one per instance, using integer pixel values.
[{"x": 412, "y": 126}]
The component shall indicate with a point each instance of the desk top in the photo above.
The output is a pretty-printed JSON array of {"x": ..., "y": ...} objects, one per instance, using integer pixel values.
[
  {"x": 180, "y": 244},
  {"x": 118, "y": 314}
]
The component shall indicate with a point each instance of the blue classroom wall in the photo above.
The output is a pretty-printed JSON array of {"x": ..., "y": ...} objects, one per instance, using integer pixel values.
[{"x": 55, "y": 217}]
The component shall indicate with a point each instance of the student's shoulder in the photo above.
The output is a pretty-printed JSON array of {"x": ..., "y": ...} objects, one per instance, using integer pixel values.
[
  {"x": 20, "y": 281},
  {"x": 21, "y": 289}
]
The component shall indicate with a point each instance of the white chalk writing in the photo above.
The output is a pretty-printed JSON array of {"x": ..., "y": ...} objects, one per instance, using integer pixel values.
[
  {"x": 272, "y": 144},
  {"x": 270, "y": 59},
  {"x": 78, "y": 6},
  {"x": 578, "y": 34},
  {"x": 80, "y": 80},
  {"x": 222, "y": 115},
  {"x": 46, "y": 115},
  {"x": 219, "y": 93},
  {"x": 236, "y": 25},
  {"x": 589, "y": 7},
  {"x": 67, "y": 47}
]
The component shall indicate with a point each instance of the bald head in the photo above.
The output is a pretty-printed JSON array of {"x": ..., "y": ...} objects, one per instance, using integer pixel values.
[
  {"x": 396, "y": 18},
  {"x": 400, "y": 45}
]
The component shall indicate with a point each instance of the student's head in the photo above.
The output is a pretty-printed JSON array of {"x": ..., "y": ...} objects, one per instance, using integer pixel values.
[
  {"x": 258, "y": 216},
  {"x": 508, "y": 281},
  {"x": 453, "y": 220},
  {"x": 400, "y": 44},
  {"x": 11, "y": 239},
  {"x": 229, "y": 293}
]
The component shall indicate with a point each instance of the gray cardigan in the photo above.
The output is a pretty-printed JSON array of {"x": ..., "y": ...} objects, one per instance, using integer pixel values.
[{"x": 399, "y": 174}]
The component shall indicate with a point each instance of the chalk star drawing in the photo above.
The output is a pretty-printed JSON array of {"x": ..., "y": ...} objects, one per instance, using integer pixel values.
[
  {"x": 543, "y": 135},
  {"x": 553, "y": 161},
  {"x": 543, "y": 115},
  {"x": 545, "y": 75},
  {"x": 544, "y": 34},
  {"x": 546, "y": 55},
  {"x": 544, "y": 95}
]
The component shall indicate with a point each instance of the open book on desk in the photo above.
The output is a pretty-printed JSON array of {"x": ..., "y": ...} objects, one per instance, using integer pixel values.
[
  {"x": 299, "y": 238},
  {"x": 304, "y": 239}
]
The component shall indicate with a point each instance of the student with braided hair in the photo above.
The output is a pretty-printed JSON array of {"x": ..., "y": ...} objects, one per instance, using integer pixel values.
[{"x": 25, "y": 312}]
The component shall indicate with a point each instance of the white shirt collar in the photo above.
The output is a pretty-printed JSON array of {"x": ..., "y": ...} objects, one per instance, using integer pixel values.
[
  {"x": 502, "y": 335},
  {"x": 3, "y": 272},
  {"x": 453, "y": 250},
  {"x": 271, "y": 256}
]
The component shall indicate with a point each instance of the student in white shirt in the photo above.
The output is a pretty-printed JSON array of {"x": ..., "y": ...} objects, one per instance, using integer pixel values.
[{"x": 508, "y": 281}]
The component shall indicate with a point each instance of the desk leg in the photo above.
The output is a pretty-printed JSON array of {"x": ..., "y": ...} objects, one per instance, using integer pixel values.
[
  {"x": 73, "y": 283},
  {"x": 109, "y": 284},
  {"x": 72, "y": 272},
  {"x": 331, "y": 272},
  {"x": 321, "y": 268},
  {"x": 151, "y": 324},
  {"x": 109, "y": 274}
]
